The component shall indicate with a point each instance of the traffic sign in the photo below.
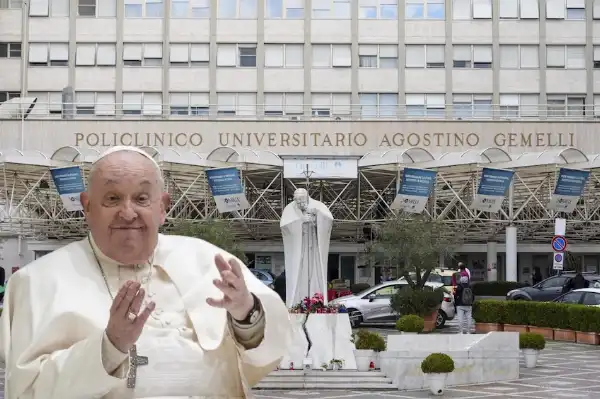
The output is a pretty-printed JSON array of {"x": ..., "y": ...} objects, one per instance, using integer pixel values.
[
  {"x": 558, "y": 261},
  {"x": 559, "y": 243}
]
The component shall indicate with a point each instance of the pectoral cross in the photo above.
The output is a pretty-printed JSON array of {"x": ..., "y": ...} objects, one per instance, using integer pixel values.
[{"x": 134, "y": 362}]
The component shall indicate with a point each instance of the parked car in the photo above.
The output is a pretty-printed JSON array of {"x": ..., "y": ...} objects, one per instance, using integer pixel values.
[
  {"x": 584, "y": 296},
  {"x": 439, "y": 276},
  {"x": 550, "y": 288},
  {"x": 265, "y": 276},
  {"x": 372, "y": 306}
]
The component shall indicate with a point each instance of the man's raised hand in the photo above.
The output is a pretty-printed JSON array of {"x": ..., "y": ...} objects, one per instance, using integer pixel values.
[
  {"x": 126, "y": 323},
  {"x": 237, "y": 300}
]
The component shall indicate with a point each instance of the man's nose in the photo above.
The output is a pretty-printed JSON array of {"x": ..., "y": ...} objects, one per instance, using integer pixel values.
[{"x": 128, "y": 211}]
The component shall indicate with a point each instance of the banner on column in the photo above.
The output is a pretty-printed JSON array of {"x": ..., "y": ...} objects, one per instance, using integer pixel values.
[
  {"x": 226, "y": 187},
  {"x": 69, "y": 184},
  {"x": 414, "y": 191},
  {"x": 569, "y": 188},
  {"x": 492, "y": 189}
]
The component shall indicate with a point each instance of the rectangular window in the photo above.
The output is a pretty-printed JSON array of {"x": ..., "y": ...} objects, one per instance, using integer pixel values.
[
  {"x": 241, "y": 104},
  {"x": 515, "y": 56},
  {"x": 515, "y": 9},
  {"x": 280, "y": 104},
  {"x": 238, "y": 9},
  {"x": 468, "y": 106},
  {"x": 85, "y": 54},
  {"x": 9, "y": 95},
  {"x": 462, "y": 56},
  {"x": 284, "y": 55},
  {"x": 425, "y": 105},
  {"x": 134, "y": 8},
  {"x": 374, "y": 105},
  {"x": 378, "y": 9},
  {"x": 106, "y": 54},
  {"x": 38, "y": 54},
  {"x": 471, "y": 9},
  {"x": 482, "y": 56},
  {"x": 180, "y": 8},
  {"x": 321, "y": 56},
  {"x": 86, "y": 8},
  {"x": 555, "y": 56},
  {"x": 195, "y": 104},
  {"x": 200, "y": 9},
  {"x": 10, "y": 50},
  {"x": 227, "y": 55},
  {"x": 341, "y": 56},
  {"x": 575, "y": 57},
  {"x": 334, "y": 104},
  {"x": 519, "y": 105},
  {"x": 425, "y": 9},
  {"x": 247, "y": 55},
  {"x": 575, "y": 10},
  {"x": 596, "y": 57},
  {"x": 59, "y": 54},
  {"x": 331, "y": 9},
  {"x": 132, "y": 54}
]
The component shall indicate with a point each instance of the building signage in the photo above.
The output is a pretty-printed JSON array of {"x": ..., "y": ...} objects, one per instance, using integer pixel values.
[
  {"x": 226, "y": 187},
  {"x": 492, "y": 189},
  {"x": 69, "y": 184},
  {"x": 415, "y": 187},
  {"x": 569, "y": 188},
  {"x": 320, "y": 168}
]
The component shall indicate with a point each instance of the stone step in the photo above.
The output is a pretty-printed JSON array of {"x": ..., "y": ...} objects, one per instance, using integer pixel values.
[
  {"x": 330, "y": 373},
  {"x": 316, "y": 379},
  {"x": 327, "y": 385},
  {"x": 339, "y": 380}
]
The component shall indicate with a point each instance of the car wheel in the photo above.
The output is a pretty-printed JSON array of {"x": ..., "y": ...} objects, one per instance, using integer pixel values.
[
  {"x": 355, "y": 317},
  {"x": 440, "y": 321},
  {"x": 520, "y": 298}
]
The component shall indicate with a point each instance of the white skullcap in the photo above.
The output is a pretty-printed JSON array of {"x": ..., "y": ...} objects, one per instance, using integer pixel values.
[{"x": 120, "y": 148}]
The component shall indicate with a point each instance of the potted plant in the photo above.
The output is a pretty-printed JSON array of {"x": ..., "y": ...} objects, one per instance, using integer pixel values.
[
  {"x": 539, "y": 315},
  {"x": 336, "y": 364},
  {"x": 436, "y": 368},
  {"x": 424, "y": 302},
  {"x": 516, "y": 316},
  {"x": 531, "y": 344},
  {"x": 367, "y": 343},
  {"x": 325, "y": 366},
  {"x": 410, "y": 324},
  {"x": 489, "y": 315},
  {"x": 585, "y": 320}
]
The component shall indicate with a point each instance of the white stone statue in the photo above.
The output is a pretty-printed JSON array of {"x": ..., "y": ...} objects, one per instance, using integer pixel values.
[{"x": 306, "y": 229}]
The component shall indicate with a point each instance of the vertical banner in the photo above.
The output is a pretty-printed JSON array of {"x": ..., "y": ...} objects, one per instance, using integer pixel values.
[
  {"x": 569, "y": 188},
  {"x": 69, "y": 184},
  {"x": 414, "y": 191},
  {"x": 226, "y": 187},
  {"x": 492, "y": 189}
]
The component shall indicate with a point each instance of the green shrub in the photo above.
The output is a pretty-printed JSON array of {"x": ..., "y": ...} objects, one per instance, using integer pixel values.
[
  {"x": 418, "y": 302},
  {"x": 539, "y": 314},
  {"x": 517, "y": 313},
  {"x": 364, "y": 339},
  {"x": 489, "y": 311},
  {"x": 359, "y": 287},
  {"x": 410, "y": 323},
  {"x": 532, "y": 341},
  {"x": 437, "y": 363},
  {"x": 496, "y": 288},
  {"x": 584, "y": 318},
  {"x": 559, "y": 315}
]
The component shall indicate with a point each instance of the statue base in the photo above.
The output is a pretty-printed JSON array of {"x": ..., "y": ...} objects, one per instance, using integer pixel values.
[{"x": 331, "y": 337}]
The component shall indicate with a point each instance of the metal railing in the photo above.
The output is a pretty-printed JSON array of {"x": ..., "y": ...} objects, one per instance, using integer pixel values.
[{"x": 41, "y": 110}]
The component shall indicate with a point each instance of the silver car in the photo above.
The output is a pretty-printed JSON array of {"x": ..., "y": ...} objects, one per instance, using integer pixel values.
[{"x": 372, "y": 306}]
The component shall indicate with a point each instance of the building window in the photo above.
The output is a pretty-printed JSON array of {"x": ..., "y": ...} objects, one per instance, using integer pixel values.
[
  {"x": 10, "y": 50},
  {"x": 331, "y": 9},
  {"x": 236, "y": 104},
  {"x": 284, "y": 55},
  {"x": 236, "y": 55},
  {"x": 44, "y": 54},
  {"x": 425, "y": 56},
  {"x": 96, "y": 54},
  {"x": 142, "y": 104},
  {"x": 425, "y": 105},
  {"x": 378, "y": 56},
  {"x": 289, "y": 9},
  {"x": 596, "y": 57},
  {"x": 280, "y": 104},
  {"x": 142, "y": 54},
  {"x": 519, "y": 9},
  {"x": 238, "y": 9},
  {"x": 47, "y": 8},
  {"x": 96, "y": 104},
  {"x": 378, "y": 9},
  {"x": 8, "y": 95},
  {"x": 564, "y": 105},
  {"x": 425, "y": 9},
  {"x": 14, "y": 4},
  {"x": 569, "y": 57},
  {"x": 331, "y": 55},
  {"x": 48, "y": 103},
  {"x": 199, "y": 9},
  {"x": 519, "y": 105},
  {"x": 97, "y": 8},
  {"x": 519, "y": 57},
  {"x": 189, "y": 55},
  {"x": 382, "y": 105},
  {"x": 597, "y": 106},
  {"x": 467, "y": 106},
  {"x": 144, "y": 8},
  {"x": 334, "y": 104},
  {"x": 478, "y": 56},
  {"x": 194, "y": 104},
  {"x": 472, "y": 9},
  {"x": 571, "y": 9}
]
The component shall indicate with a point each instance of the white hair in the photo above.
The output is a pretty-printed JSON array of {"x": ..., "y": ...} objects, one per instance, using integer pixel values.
[{"x": 122, "y": 148}]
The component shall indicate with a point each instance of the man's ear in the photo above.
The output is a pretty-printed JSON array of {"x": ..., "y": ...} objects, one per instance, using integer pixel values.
[
  {"x": 165, "y": 202},
  {"x": 85, "y": 201}
]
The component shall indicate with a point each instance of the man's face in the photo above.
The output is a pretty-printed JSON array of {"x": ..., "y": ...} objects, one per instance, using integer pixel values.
[
  {"x": 302, "y": 200},
  {"x": 125, "y": 206}
]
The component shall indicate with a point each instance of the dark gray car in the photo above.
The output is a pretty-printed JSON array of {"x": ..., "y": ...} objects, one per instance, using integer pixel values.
[
  {"x": 550, "y": 288},
  {"x": 265, "y": 276}
]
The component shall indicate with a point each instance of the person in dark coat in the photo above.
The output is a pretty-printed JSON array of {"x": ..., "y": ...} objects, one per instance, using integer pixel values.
[{"x": 279, "y": 285}]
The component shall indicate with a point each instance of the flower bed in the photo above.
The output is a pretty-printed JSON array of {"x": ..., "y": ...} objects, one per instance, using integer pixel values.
[
  {"x": 316, "y": 304},
  {"x": 555, "y": 321}
]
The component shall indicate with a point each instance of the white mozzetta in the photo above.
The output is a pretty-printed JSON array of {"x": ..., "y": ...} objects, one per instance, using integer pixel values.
[
  {"x": 331, "y": 337},
  {"x": 477, "y": 358}
]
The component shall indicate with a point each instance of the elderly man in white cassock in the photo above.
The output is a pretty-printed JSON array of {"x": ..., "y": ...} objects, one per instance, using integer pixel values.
[{"x": 130, "y": 313}]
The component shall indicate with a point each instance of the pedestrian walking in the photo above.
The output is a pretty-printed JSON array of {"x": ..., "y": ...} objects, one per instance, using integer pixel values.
[{"x": 464, "y": 299}]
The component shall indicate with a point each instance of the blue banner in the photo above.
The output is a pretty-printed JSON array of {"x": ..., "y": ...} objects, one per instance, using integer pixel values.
[
  {"x": 415, "y": 188},
  {"x": 492, "y": 189},
  {"x": 226, "y": 187},
  {"x": 568, "y": 189},
  {"x": 69, "y": 184}
]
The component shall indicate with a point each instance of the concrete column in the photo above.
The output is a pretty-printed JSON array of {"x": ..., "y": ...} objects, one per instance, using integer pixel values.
[
  {"x": 492, "y": 261},
  {"x": 442, "y": 261},
  {"x": 307, "y": 58},
  {"x": 511, "y": 253}
]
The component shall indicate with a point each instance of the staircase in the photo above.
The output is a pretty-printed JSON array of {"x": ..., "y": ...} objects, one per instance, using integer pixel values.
[{"x": 315, "y": 379}]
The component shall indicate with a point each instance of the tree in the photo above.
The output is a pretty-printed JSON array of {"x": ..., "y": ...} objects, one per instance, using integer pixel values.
[
  {"x": 215, "y": 231},
  {"x": 413, "y": 247}
]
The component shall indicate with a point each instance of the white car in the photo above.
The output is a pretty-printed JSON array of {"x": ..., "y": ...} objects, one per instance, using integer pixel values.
[
  {"x": 372, "y": 306},
  {"x": 583, "y": 296}
]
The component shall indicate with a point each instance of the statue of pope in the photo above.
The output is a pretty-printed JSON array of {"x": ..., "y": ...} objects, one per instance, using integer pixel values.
[{"x": 306, "y": 229}]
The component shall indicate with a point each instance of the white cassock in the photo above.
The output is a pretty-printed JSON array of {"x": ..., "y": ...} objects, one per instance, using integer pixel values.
[
  {"x": 306, "y": 250},
  {"x": 56, "y": 310}
]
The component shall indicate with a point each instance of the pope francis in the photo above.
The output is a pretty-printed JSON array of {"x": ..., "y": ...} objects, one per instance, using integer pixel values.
[{"x": 129, "y": 313}]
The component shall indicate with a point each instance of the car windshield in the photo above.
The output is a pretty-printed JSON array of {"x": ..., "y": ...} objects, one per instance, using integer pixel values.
[
  {"x": 446, "y": 280},
  {"x": 433, "y": 278},
  {"x": 375, "y": 288}
]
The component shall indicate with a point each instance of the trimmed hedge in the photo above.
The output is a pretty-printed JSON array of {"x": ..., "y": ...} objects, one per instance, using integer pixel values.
[
  {"x": 410, "y": 323},
  {"x": 539, "y": 314},
  {"x": 496, "y": 288}
]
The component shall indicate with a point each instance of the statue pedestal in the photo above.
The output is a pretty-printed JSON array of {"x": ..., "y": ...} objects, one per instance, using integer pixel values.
[{"x": 331, "y": 336}]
